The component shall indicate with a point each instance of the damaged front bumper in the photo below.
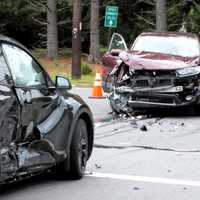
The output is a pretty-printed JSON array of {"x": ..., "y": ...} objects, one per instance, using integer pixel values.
[
  {"x": 159, "y": 97},
  {"x": 152, "y": 89}
]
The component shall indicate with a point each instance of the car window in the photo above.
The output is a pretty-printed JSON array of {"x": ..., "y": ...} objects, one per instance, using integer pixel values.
[
  {"x": 4, "y": 72},
  {"x": 117, "y": 42},
  {"x": 177, "y": 46},
  {"x": 24, "y": 69}
]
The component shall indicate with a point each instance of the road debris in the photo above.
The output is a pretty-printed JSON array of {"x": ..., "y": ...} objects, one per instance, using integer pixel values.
[
  {"x": 182, "y": 124},
  {"x": 98, "y": 166},
  {"x": 154, "y": 121},
  {"x": 136, "y": 188},
  {"x": 143, "y": 128},
  {"x": 134, "y": 124}
]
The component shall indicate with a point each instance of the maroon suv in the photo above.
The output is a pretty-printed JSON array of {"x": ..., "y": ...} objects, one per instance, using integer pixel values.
[{"x": 159, "y": 70}]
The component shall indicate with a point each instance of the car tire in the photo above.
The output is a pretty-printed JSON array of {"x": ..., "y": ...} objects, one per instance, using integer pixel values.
[
  {"x": 79, "y": 151},
  {"x": 114, "y": 110},
  {"x": 113, "y": 105},
  {"x": 73, "y": 167}
]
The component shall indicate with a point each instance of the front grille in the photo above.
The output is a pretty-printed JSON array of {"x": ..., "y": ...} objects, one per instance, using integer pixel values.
[
  {"x": 165, "y": 82},
  {"x": 153, "y": 79},
  {"x": 154, "y": 99},
  {"x": 141, "y": 83}
]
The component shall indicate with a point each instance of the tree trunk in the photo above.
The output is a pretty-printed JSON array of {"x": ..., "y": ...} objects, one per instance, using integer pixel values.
[
  {"x": 76, "y": 40},
  {"x": 161, "y": 15},
  {"x": 94, "y": 32},
  {"x": 52, "y": 29}
]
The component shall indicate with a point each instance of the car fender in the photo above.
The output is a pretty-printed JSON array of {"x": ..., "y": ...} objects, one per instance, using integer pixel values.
[{"x": 80, "y": 111}]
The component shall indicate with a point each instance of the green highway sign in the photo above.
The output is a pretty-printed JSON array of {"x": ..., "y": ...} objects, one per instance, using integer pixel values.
[{"x": 111, "y": 16}]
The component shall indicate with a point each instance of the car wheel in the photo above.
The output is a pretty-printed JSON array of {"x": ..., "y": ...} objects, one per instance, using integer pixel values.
[
  {"x": 113, "y": 105},
  {"x": 79, "y": 150}
]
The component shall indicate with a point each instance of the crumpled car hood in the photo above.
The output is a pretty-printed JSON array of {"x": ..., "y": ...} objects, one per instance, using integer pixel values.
[{"x": 156, "y": 61}]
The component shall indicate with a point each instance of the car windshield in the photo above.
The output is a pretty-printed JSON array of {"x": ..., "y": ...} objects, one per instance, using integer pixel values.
[{"x": 178, "y": 46}]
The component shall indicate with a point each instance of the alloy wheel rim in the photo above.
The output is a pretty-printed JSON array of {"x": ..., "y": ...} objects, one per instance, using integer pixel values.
[{"x": 83, "y": 151}]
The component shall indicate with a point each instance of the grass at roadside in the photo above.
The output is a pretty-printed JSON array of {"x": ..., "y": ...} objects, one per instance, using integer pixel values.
[
  {"x": 62, "y": 66},
  {"x": 85, "y": 81}
]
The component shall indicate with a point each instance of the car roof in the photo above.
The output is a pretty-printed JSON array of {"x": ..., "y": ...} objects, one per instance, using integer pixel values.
[
  {"x": 170, "y": 34},
  {"x": 6, "y": 39}
]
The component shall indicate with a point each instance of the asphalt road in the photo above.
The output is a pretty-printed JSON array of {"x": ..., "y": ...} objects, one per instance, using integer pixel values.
[{"x": 160, "y": 161}]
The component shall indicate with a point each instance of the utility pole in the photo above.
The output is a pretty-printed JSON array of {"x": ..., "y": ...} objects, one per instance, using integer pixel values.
[
  {"x": 94, "y": 32},
  {"x": 76, "y": 40},
  {"x": 161, "y": 15}
]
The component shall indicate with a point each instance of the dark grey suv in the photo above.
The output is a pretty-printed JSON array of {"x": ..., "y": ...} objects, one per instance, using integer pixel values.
[{"x": 42, "y": 125}]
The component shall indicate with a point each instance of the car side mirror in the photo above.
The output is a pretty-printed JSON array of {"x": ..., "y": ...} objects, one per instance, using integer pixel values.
[
  {"x": 63, "y": 83},
  {"x": 115, "y": 52}
]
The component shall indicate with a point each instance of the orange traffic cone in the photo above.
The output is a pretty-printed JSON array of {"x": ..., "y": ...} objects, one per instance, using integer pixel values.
[{"x": 97, "y": 92}]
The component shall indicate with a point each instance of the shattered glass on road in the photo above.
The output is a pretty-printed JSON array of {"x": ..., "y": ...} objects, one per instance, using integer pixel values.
[{"x": 178, "y": 134}]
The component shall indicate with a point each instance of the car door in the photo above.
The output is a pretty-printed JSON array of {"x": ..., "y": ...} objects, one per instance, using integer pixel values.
[
  {"x": 117, "y": 44},
  {"x": 9, "y": 121},
  {"x": 109, "y": 60},
  {"x": 43, "y": 121}
]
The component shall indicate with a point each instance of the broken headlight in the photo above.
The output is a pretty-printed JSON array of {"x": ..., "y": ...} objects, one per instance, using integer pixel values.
[{"x": 188, "y": 71}]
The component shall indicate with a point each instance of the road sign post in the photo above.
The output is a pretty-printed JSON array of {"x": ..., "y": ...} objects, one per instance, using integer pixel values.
[{"x": 111, "y": 17}]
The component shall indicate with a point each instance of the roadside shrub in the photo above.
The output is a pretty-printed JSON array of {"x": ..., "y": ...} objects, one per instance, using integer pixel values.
[{"x": 86, "y": 69}]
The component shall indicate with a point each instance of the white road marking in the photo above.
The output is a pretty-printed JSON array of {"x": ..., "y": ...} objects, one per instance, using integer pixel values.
[{"x": 145, "y": 179}]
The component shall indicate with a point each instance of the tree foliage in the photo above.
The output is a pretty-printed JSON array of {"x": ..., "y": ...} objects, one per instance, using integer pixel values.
[{"x": 25, "y": 20}]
